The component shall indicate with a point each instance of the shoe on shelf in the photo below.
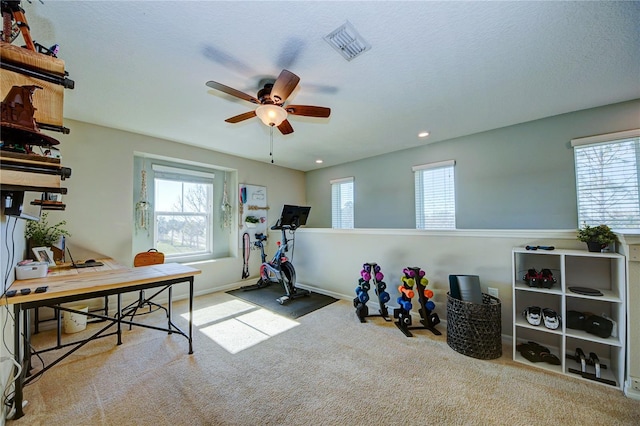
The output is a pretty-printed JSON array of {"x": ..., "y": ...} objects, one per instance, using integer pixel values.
[
  {"x": 532, "y": 278},
  {"x": 551, "y": 319},
  {"x": 535, "y": 352},
  {"x": 533, "y": 315},
  {"x": 546, "y": 278}
]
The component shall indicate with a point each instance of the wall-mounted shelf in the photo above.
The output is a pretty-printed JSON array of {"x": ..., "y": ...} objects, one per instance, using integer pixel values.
[{"x": 29, "y": 172}]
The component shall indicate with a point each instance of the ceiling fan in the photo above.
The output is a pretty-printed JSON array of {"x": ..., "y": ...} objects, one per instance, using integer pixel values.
[{"x": 271, "y": 99}]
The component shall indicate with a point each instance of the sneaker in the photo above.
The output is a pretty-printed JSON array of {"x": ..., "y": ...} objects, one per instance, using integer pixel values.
[
  {"x": 551, "y": 319},
  {"x": 532, "y": 315}
]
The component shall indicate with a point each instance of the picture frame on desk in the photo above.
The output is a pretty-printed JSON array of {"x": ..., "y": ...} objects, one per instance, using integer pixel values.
[{"x": 44, "y": 254}]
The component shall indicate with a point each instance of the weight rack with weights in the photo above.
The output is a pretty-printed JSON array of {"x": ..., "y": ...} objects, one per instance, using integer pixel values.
[
  {"x": 414, "y": 276},
  {"x": 371, "y": 273}
]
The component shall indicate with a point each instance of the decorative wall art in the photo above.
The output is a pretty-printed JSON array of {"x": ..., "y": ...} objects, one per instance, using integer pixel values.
[{"x": 252, "y": 201}]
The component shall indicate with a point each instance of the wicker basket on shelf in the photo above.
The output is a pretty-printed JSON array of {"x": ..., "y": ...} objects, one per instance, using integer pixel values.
[{"x": 474, "y": 329}]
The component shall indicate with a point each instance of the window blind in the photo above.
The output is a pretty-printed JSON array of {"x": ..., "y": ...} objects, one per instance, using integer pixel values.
[
  {"x": 342, "y": 203},
  {"x": 184, "y": 175},
  {"x": 607, "y": 174},
  {"x": 435, "y": 196}
]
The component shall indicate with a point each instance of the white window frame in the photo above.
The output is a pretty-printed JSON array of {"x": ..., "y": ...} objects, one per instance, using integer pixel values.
[
  {"x": 612, "y": 196},
  {"x": 338, "y": 193},
  {"x": 435, "y": 204},
  {"x": 185, "y": 175}
]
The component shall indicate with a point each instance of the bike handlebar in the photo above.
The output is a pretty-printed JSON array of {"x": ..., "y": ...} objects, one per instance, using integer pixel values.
[{"x": 278, "y": 227}]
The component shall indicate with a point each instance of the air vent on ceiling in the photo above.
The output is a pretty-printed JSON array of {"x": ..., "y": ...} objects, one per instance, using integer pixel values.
[{"x": 347, "y": 41}]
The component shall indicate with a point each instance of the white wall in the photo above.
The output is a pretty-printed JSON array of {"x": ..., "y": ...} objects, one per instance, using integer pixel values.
[
  {"x": 99, "y": 210},
  {"x": 331, "y": 259},
  {"x": 633, "y": 311}
]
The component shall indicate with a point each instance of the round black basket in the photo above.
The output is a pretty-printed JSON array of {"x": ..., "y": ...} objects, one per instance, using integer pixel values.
[{"x": 475, "y": 329}]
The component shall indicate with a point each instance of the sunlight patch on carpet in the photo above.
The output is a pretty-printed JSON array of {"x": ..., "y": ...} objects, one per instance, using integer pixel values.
[
  {"x": 233, "y": 335},
  {"x": 236, "y": 325},
  {"x": 244, "y": 331},
  {"x": 267, "y": 322},
  {"x": 217, "y": 312}
]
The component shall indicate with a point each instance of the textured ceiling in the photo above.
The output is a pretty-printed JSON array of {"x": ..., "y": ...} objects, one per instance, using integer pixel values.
[{"x": 452, "y": 68}]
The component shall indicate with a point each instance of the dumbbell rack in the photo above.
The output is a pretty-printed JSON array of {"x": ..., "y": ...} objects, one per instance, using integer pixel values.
[
  {"x": 428, "y": 319},
  {"x": 371, "y": 273}
]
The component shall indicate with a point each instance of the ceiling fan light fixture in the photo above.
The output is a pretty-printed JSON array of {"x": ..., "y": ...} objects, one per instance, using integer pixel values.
[{"x": 271, "y": 115}]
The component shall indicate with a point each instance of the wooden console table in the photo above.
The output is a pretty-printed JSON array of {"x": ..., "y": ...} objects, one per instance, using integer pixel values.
[{"x": 74, "y": 284}]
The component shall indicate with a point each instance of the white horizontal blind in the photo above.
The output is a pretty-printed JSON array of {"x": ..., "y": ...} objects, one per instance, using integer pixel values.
[
  {"x": 342, "y": 203},
  {"x": 184, "y": 175},
  {"x": 607, "y": 175},
  {"x": 435, "y": 195}
]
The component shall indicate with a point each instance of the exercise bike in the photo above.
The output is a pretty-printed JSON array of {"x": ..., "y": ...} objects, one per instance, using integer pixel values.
[{"x": 280, "y": 269}]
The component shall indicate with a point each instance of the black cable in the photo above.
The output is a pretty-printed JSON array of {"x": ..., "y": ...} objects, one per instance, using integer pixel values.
[
  {"x": 10, "y": 259},
  {"x": 9, "y": 255}
]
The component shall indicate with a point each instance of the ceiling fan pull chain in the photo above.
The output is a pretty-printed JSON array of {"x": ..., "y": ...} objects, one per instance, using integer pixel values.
[{"x": 271, "y": 143}]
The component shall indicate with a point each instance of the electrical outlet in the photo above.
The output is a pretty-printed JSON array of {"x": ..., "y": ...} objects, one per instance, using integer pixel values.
[
  {"x": 493, "y": 292},
  {"x": 635, "y": 384}
]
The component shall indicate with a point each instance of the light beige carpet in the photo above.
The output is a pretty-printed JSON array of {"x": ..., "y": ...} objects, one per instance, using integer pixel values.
[{"x": 324, "y": 369}]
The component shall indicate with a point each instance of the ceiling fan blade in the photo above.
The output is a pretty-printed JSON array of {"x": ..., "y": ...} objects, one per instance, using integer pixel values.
[
  {"x": 308, "y": 110},
  {"x": 241, "y": 117},
  {"x": 285, "y": 127},
  {"x": 284, "y": 85},
  {"x": 231, "y": 91}
]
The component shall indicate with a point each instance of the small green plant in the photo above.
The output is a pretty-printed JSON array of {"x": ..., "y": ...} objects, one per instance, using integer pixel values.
[
  {"x": 42, "y": 234},
  {"x": 252, "y": 219},
  {"x": 600, "y": 234}
]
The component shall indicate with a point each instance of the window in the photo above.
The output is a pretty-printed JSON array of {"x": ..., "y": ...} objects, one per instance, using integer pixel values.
[
  {"x": 435, "y": 195},
  {"x": 342, "y": 203},
  {"x": 182, "y": 211},
  {"x": 607, "y": 179}
]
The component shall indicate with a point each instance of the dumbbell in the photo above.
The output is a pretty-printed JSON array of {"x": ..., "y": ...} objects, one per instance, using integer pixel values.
[
  {"x": 428, "y": 293},
  {"x": 384, "y": 297},
  {"x": 430, "y": 305},
  {"x": 363, "y": 296},
  {"x": 404, "y": 304},
  {"x": 406, "y": 291}
]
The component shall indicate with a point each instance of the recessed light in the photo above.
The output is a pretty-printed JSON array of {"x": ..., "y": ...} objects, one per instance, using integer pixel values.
[
  {"x": 319, "y": 161},
  {"x": 423, "y": 134}
]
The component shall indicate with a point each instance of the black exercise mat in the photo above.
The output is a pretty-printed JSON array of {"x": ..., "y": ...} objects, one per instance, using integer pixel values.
[{"x": 295, "y": 308}]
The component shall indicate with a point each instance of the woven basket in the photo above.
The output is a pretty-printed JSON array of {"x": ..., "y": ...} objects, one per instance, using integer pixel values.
[{"x": 475, "y": 329}]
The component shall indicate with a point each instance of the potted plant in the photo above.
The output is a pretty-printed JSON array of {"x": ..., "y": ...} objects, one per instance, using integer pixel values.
[
  {"x": 597, "y": 237},
  {"x": 251, "y": 221},
  {"x": 41, "y": 234}
]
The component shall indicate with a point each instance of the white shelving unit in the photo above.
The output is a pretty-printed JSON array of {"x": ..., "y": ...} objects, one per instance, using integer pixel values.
[{"x": 602, "y": 271}]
